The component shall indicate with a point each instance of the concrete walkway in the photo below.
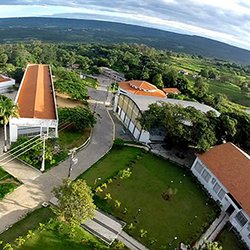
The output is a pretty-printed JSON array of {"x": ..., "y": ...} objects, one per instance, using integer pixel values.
[
  {"x": 35, "y": 191},
  {"x": 213, "y": 230}
]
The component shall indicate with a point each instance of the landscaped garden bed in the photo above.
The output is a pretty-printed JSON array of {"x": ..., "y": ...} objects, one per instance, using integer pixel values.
[
  {"x": 7, "y": 183},
  {"x": 158, "y": 199}
]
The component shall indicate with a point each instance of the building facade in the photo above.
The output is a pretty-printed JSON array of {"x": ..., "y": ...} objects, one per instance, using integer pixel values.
[
  {"x": 134, "y": 97},
  {"x": 225, "y": 173},
  {"x": 36, "y": 104}
]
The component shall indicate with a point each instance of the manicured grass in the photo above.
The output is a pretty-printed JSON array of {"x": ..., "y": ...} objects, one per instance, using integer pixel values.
[
  {"x": 233, "y": 92},
  {"x": 55, "y": 236},
  {"x": 70, "y": 138},
  {"x": 110, "y": 165},
  {"x": 30, "y": 222},
  {"x": 7, "y": 183},
  {"x": 152, "y": 176},
  {"x": 228, "y": 240}
]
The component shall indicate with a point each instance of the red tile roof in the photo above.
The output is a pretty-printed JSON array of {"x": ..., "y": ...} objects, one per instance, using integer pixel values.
[
  {"x": 36, "y": 99},
  {"x": 4, "y": 79},
  {"x": 141, "y": 88},
  {"x": 232, "y": 167},
  {"x": 172, "y": 90}
]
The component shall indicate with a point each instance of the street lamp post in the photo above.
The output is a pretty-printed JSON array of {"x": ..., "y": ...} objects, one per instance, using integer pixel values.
[
  {"x": 73, "y": 161},
  {"x": 171, "y": 242},
  {"x": 137, "y": 213}
]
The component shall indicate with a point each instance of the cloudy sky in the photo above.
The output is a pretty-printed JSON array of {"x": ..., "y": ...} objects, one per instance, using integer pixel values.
[{"x": 223, "y": 20}]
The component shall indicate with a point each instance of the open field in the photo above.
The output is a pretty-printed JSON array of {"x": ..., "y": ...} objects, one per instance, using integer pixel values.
[{"x": 141, "y": 198}]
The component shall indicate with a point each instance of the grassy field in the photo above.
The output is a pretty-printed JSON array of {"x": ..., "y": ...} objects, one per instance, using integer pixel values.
[
  {"x": 55, "y": 236},
  {"x": 185, "y": 215},
  {"x": 233, "y": 92},
  {"x": 7, "y": 183},
  {"x": 228, "y": 240},
  {"x": 69, "y": 138}
]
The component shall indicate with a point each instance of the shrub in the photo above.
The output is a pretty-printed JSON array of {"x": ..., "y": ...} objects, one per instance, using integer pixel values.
[{"x": 118, "y": 143}]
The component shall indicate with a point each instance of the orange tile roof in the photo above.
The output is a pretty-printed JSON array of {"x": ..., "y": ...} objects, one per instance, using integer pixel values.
[
  {"x": 4, "y": 79},
  {"x": 141, "y": 88},
  {"x": 36, "y": 99},
  {"x": 172, "y": 90},
  {"x": 232, "y": 167}
]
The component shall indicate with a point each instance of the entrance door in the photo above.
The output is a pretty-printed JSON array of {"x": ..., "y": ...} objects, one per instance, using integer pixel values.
[{"x": 230, "y": 210}]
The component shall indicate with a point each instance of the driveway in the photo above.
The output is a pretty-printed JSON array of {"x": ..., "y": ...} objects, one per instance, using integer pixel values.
[{"x": 34, "y": 192}]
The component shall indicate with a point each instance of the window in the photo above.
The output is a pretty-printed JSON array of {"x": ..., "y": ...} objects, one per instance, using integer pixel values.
[
  {"x": 221, "y": 194},
  {"x": 241, "y": 219},
  {"x": 205, "y": 175},
  {"x": 248, "y": 227},
  {"x": 248, "y": 236},
  {"x": 216, "y": 188},
  {"x": 198, "y": 167},
  {"x": 213, "y": 180}
]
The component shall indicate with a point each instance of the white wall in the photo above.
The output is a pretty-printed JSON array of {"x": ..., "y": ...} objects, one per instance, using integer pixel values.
[
  {"x": 144, "y": 136},
  {"x": 5, "y": 85},
  {"x": 15, "y": 123}
]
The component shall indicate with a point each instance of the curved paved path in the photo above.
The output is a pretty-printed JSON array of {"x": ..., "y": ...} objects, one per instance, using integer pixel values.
[{"x": 29, "y": 195}]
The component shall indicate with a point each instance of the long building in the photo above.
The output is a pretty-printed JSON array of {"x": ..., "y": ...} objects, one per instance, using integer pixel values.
[
  {"x": 225, "y": 173},
  {"x": 134, "y": 97},
  {"x": 36, "y": 104}
]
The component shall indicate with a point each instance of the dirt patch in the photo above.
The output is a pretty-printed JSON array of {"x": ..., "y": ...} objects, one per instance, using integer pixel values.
[{"x": 64, "y": 101}]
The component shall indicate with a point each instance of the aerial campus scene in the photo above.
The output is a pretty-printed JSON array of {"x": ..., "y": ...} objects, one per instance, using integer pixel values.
[{"x": 125, "y": 125}]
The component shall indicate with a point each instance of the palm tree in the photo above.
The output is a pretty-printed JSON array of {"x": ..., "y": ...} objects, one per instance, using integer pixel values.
[{"x": 7, "y": 109}]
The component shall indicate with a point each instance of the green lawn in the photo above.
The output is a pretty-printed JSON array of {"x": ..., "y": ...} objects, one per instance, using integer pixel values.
[
  {"x": 69, "y": 138},
  {"x": 7, "y": 183},
  {"x": 54, "y": 237},
  {"x": 152, "y": 176},
  {"x": 228, "y": 240}
]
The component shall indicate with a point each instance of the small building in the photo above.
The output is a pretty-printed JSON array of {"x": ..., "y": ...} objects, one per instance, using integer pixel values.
[
  {"x": 6, "y": 83},
  {"x": 114, "y": 75},
  {"x": 174, "y": 91},
  {"x": 134, "y": 97},
  {"x": 36, "y": 104},
  {"x": 225, "y": 173}
]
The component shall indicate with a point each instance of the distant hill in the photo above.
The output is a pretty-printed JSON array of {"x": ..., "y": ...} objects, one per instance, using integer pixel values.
[{"x": 78, "y": 30}]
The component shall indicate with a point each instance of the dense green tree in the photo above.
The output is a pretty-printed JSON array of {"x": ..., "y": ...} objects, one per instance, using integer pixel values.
[
  {"x": 157, "y": 81},
  {"x": 75, "y": 202}
]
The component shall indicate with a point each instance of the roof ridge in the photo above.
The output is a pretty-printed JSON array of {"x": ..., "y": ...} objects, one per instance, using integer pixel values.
[
  {"x": 241, "y": 151},
  {"x": 39, "y": 93}
]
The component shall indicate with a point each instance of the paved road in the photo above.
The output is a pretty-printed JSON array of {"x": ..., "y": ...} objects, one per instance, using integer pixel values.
[{"x": 33, "y": 192}]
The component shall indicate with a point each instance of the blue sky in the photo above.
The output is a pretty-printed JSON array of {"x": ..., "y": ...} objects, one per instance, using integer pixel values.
[{"x": 224, "y": 20}]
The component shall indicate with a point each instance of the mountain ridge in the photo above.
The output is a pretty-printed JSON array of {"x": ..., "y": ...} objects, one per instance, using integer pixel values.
[{"x": 81, "y": 30}]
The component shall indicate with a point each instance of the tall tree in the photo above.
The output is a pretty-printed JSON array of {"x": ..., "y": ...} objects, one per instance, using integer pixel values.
[
  {"x": 7, "y": 109},
  {"x": 75, "y": 201}
]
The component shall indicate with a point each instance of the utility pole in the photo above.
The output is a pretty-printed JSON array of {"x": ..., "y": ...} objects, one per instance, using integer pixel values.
[{"x": 42, "y": 169}]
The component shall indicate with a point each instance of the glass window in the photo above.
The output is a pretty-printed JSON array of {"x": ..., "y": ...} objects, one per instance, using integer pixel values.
[
  {"x": 205, "y": 175},
  {"x": 198, "y": 167},
  {"x": 241, "y": 219},
  {"x": 216, "y": 188},
  {"x": 213, "y": 180},
  {"x": 221, "y": 194}
]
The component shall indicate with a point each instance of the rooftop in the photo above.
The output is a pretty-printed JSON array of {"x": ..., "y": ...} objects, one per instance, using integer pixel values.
[
  {"x": 144, "y": 101},
  {"x": 231, "y": 166},
  {"x": 143, "y": 88},
  {"x": 4, "y": 79},
  {"x": 172, "y": 90},
  {"x": 36, "y": 98}
]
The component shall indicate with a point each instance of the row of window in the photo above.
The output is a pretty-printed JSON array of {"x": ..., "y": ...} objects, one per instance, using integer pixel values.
[{"x": 207, "y": 176}]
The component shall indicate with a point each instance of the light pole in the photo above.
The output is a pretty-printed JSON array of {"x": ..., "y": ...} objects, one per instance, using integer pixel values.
[
  {"x": 42, "y": 169},
  {"x": 195, "y": 217},
  {"x": 171, "y": 242},
  {"x": 137, "y": 213},
  {"x": 73, "y": 161}
]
